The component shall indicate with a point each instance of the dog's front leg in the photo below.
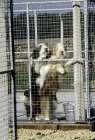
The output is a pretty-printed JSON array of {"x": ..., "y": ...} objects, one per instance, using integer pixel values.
[
  {"x": 59, "y": 68},
  {"x": 37, "y": 117},
  {"x": 69, "y": 63},
  {"x": 44, "y": 104},
  {"x": 72, "y": 62}
]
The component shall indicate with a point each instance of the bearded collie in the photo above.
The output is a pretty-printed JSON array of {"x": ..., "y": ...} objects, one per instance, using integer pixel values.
[{"x": 40, "y": 52}]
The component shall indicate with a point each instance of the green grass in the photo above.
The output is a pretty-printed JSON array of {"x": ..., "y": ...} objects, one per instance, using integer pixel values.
[
  {"x": 67, "y": 81},
  {"x": 23, "y": 83},
  {"x": 21, "y": 80}
]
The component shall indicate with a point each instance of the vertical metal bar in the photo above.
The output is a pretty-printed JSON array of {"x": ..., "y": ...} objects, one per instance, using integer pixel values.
[
  {"x": 11, "y": 62},
  {"x": 61, "y": 32},
  {"x": 29, "y": 64},
  {"x": 13, "y": 72},
  {"x": 86, "y": 58},
  {"x": 35, "y": 22},
  {"x": 10, "y": 37}
]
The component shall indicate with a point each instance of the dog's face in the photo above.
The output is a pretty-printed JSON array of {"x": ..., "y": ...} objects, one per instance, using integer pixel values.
[
  {"x": 41, "y": 51},
  {"x": 58, "y": 50},
  {"x": 44, "y": 50}
]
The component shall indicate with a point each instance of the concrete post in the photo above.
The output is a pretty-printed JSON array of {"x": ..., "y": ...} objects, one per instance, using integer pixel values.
[{"x": 78, "y": 69}]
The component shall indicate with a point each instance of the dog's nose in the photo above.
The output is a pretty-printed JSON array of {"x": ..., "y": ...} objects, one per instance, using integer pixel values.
[
  {"x": 46, "y": 49},
  {"x": 62, "y": 52}
]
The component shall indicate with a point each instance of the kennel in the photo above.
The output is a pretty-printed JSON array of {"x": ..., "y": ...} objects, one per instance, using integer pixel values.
[
  {"x": 51, "y": 22},
  {"x": 27, "y": 24}
]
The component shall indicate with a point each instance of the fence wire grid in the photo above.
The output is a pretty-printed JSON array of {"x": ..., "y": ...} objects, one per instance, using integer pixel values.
[{"x": 64, "y": 96}]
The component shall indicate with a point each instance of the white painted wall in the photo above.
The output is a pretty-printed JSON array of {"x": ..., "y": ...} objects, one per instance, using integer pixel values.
[{"x": 3, "y": 77}]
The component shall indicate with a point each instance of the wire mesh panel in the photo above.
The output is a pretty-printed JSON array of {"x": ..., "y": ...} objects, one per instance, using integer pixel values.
[
  {"x": 63, "y": 74},
  {"x": 7, "y": 117},
  {"x": 91, "y": 54}
]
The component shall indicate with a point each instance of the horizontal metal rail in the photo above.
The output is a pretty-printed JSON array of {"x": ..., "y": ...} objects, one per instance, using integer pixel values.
[
  {"x": 7, "y": 71},
  {"x": 45, "y": 60},
  {"x": 32, "y": 52},
  {"x": 45, "y": 2},
  {"x": 39, "y": 10},
  {"x": 60, "y": 9}
]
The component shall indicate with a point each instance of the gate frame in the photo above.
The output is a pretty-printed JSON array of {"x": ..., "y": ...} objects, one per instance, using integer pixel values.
[{"x": 86, "y": 45}]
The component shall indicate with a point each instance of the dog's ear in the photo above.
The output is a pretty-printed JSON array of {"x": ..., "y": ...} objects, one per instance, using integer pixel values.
[
  {"x": 46, "y": 44},
  {"x": 35, "y": 53},
  {"x": 39, "y": 46},
  {"x": 65, "y": 48},
  {"x": 49, "y": 54},
  {"x": 52, "y": 50},
  {"x": 26, "y": 93}
]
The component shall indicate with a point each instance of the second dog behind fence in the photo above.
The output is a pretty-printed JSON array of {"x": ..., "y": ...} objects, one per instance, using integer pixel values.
[{"x": 40, "y": 52}]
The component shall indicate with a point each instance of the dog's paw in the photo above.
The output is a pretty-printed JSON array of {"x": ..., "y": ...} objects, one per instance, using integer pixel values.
[
  {"x": 29, "y": 118},
  {"x": 58, "y": 68},
  {"x": 47, "y": 119},
  {"x": 37, "y": 118},
  {"x": 61, "y": 70},
  {"x": 40, "y": 82},
  {"x": 79, "y": 62}
]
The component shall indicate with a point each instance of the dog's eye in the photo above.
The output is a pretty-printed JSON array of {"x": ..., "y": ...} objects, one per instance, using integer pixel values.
[
  {"x": 40, "y": 46},
  {"x": 66, "y": 48}
]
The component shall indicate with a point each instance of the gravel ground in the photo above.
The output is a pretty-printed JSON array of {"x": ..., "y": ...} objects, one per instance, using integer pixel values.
[{"x": 27, "y": 134}]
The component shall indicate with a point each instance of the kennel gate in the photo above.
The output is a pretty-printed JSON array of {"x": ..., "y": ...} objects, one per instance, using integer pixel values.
[
  {"x": 30, "y": 19},
  {"x": 7, "y": 74}
]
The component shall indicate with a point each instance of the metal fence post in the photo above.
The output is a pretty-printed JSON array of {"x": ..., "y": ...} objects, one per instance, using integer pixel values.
[
  {"x": 11, "y": 63},
  {"x": 29, "y": 64},
  {"x": 13, "y": 73},
  {"x": 86, "y": 59},
  {"x": 61, "y": 32},
  {"x": 35, "y": 22}
]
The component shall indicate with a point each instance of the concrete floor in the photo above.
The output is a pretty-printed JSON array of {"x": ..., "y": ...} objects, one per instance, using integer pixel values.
[{"x": 63, "y": 98}]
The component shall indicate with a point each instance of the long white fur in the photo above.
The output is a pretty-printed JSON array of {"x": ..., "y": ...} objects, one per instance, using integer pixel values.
[
  {"x": 44, "y": 70},
  {"x": 42, "y": 55},
  {"x": 58, "y": 47}
]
